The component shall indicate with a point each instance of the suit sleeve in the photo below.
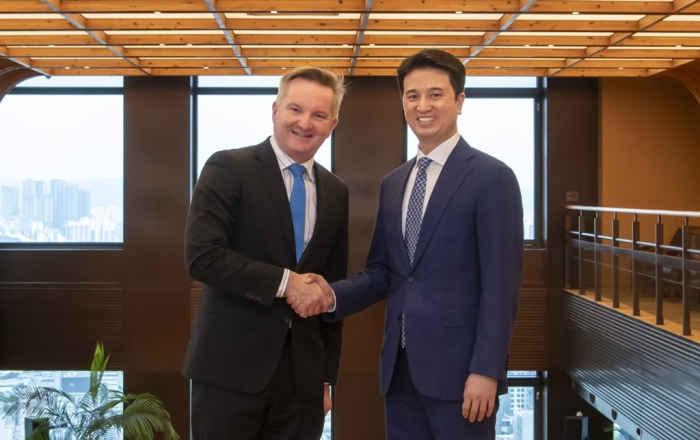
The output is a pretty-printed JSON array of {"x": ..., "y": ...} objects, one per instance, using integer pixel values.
[
  {"x": 331, "y": 332},
  {"x": 500, "y": 243},
  {"x": 371, "y": 285},
  {"x": 210, "y": 225}
]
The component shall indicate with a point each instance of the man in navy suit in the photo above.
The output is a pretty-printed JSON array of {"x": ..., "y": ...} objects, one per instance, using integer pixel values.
[
  {"x": 260, "y": 216},
  {"x": 446, "y": 254}
]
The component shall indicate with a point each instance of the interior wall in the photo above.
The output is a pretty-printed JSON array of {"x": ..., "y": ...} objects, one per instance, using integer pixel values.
[{"x": 649, "y": 145}]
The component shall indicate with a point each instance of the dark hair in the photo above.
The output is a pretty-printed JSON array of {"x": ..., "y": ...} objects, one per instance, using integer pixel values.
[{"x": 434, "y": 59}]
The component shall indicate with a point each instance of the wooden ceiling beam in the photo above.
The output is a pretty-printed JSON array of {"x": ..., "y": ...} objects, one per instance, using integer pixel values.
[
  {"x": 188, "y": 63},
  {"x": 167, "y": 39},
  {"x": 646, "y": 53},
  {"x": 405, "y": 52},
  {"x": 41, "y": 40},
  {"x": 100, "y": 72},
  {"x": 81, "y": 63},
  {"x": 422, "y": 40},
  {"x": 60, "y": 52},
  {"x": 296, "y": 62},
  {"x": 297, "y": 39}
]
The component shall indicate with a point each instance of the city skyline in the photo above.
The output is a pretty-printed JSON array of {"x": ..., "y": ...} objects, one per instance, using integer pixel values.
[{"x": 61, "y": 211}]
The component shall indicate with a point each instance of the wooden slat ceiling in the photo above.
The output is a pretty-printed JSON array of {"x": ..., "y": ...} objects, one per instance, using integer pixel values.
[{"x": 352, "y": 37}]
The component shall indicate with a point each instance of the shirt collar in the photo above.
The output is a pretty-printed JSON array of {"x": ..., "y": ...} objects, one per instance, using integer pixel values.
[
  {"x": 442, "y": 151},
  {"x": 285, "y": 161}
]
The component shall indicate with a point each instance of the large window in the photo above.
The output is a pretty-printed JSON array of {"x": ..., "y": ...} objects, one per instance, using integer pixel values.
[
  {"x": 520, "y": 409},
  {"x": 62, "y": 166},
  {"x": 505, "y": 123}
]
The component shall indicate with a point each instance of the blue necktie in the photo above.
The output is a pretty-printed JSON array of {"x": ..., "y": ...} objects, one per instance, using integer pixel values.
[
  {"x": 414, "y": 212},
  {"x": 297, "y": 202},
  {"x": 414, "y": 217}
]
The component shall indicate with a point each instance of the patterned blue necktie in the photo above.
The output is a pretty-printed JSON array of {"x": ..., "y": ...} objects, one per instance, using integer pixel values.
[
  {"x": 297, "y": 202},
  {"x": 414, "y": 217},
  {"x": 414, "y": 212}
]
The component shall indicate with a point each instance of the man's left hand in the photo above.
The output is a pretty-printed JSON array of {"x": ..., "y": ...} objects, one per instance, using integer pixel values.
[{"x": 479, "y": 397}]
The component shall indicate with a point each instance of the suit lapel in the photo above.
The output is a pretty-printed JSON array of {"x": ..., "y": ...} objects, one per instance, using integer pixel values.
[
  {"x": 397, "y": 189},
  {"x": 270, "y": 174},
  {"x": 456, "y": 169},
  {"x": 323, "y": 204}
]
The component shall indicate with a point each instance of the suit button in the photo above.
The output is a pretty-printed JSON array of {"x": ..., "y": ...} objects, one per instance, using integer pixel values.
[{"x": 410, "y": 279}]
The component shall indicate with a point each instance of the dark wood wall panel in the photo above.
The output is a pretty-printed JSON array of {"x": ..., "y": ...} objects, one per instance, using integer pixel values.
[
  {"x": 649, "y": 375},
  {"x": 528, "y": 347},
  {"x": 368, "y": 144},
  {"x": 157, "y": 151},
  {"x": 55, "y": 326}
]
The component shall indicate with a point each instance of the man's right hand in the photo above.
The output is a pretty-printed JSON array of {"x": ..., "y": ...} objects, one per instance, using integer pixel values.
[{"x": 307, "y": 299}]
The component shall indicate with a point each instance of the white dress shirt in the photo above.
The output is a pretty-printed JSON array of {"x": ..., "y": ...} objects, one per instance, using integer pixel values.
[
  {"x": 284, "y": 162},
  {"x": 438, "y": 156}
]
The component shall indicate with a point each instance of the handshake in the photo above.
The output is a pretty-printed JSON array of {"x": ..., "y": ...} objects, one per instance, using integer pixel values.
[{"x": 308, "y": 294}]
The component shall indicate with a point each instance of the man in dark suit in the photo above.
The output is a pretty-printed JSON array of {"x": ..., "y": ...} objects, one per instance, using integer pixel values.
[
  {"x": 446, "y": 254},
  {"x": 259, "y": 217}
]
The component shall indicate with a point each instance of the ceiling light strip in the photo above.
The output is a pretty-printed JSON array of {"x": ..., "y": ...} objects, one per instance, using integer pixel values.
[
  {"x": 221, "y": 21},
  {"x": 361, "y": 35},
  {"x": 100, "y": 37},
  {"x": 504, "y": 24}
]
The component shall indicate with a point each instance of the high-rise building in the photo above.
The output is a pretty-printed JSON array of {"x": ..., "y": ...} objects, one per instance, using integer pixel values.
[
  {"x": 9, "y": 201},
  {"x": 37, "y": 206}
]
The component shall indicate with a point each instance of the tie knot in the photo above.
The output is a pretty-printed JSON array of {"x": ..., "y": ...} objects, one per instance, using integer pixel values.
[
  {"x": 296, "y": 169},
  {"x": 423, "y": 163}
]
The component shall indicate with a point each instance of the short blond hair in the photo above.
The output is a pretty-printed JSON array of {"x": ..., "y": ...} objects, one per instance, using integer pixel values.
[{"x": 319, "y": 76}]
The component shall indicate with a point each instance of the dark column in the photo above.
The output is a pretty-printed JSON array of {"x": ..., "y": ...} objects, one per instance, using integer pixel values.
[
  {"x": 369, "y": 143},
  {"x": 156, "y": 198}
]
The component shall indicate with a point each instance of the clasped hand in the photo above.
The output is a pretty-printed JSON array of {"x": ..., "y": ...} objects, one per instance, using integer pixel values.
[{"x": 308, "y": 294}]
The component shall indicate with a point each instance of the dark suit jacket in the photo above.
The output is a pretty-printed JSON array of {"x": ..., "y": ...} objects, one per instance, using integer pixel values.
[
  {"x": 461, "y": 294},
  {"x": 239, "y": 239}
]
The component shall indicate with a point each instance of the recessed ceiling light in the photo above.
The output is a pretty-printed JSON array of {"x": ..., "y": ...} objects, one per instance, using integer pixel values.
[
  {"x": 189, "y": 44},
  {"x": 679, "y": 45},
  {"x": 87, "y": 67},
  {"x": 575, "y": 13},
  {"x": 458, "y": 12},
  {"x": 273, "y": 12},
  {"x": 620, "y": 68},
  {"x": 206, "y": 67},
  {"x": 551, "y": 45},
  {"x": 527, "y": 45},
  {"x": 156, "y": 12},
  {"x": 162, "y": 44},
  {"x": 67, "y": 67},
  {"x": 371, "y": 44},
  {"x": 497, "y": 67},
  {"x": 52, "y": 45}
]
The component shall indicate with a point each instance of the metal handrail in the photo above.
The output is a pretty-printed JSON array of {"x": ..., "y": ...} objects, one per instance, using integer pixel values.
[{"x": 592, "y": 245}]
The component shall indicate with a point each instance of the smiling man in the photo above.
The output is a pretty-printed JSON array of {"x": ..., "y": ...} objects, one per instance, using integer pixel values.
[
  {"x": 259, "y": 217},
  {"x": 446, "y": 254}
]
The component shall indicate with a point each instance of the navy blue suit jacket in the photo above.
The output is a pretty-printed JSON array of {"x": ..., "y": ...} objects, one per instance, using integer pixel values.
[{"x": 461, "y": 295}]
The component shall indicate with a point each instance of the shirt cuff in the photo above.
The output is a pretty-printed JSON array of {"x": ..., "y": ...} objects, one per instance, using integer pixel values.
[
  {"x": 335, "y": 299},
  {"x": 283, "y": 284}
]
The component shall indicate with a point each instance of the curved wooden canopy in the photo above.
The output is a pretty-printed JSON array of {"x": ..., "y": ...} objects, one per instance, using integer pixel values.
[{"x": 353, "y": 37}]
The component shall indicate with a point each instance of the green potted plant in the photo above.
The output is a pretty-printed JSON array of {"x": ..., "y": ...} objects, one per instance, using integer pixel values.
[{"x": 95, "y": 415}]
